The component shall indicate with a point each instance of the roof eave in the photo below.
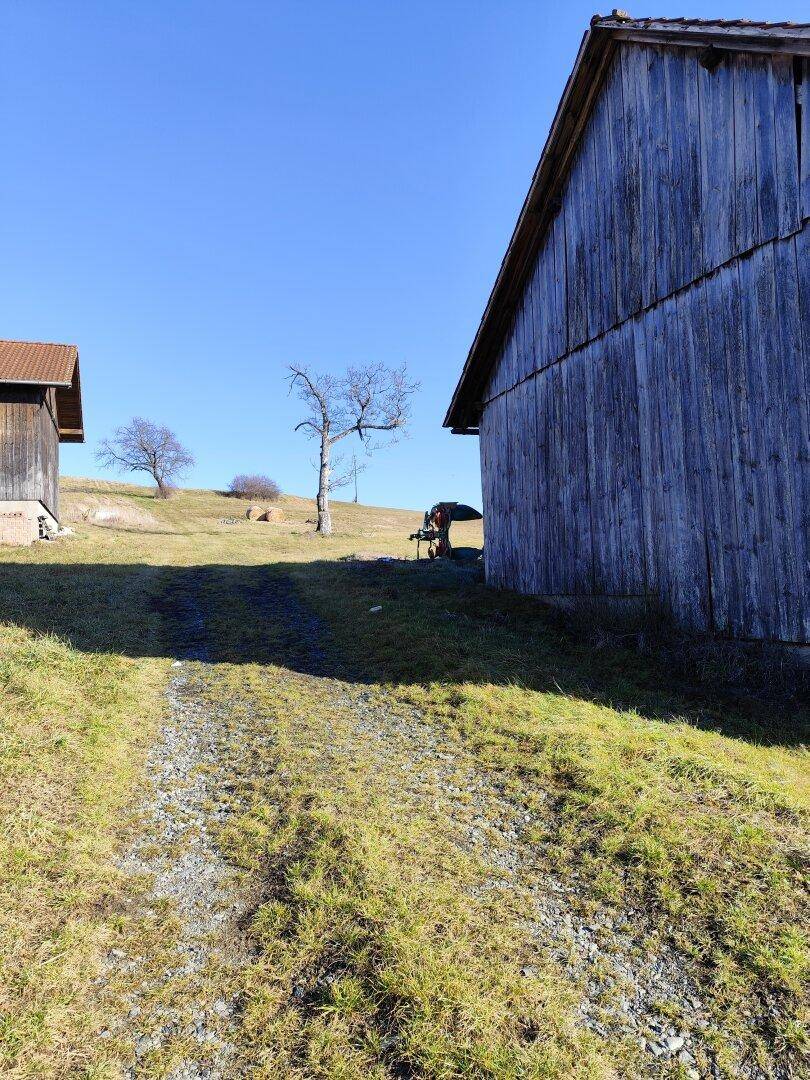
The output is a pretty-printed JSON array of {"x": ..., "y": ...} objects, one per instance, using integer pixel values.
[
  {"x": 593, "y": 43},
  {"x": 34, "y": 382}
]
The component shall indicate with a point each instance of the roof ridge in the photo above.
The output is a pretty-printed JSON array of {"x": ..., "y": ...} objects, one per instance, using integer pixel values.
[
  {"x": 618, "y": 15},
  {"x": 27, "y": 341}
]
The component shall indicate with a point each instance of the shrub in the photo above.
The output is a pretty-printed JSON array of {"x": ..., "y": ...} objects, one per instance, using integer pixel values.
[{"x": 254, "y": 487}]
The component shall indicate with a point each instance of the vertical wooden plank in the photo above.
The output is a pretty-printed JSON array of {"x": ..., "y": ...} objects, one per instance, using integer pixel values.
[
  {"x": 576, "y": 474},
  {"x": 795, "y": 424},
  {"x": 560, "y": 317},
  {"x": 517, "y": 335},
  {"x": 708, "y": 350},
  {"x": 718, "y": 194},
  {"x": 802, "y": 478},
  {"x": 666, "y": 229},
  {"x": 510, "y": 358},
  {"x": 493, "y": 381},
  {"x": 787, "y": 149},
  {"x": 648, "y": 152},
  {"x": 605, "y": 209},
  {"x": 746, "y": 232},
  {"x": 598, "y": 465},
  {"x": 592, "y": 219},
  {"x": 532, "y": 486},
  {"x": 641, "y": 182},
  {"x": 498, "y": 492},
  {"x": 765, "y": 147},
  {"x": 487, "y": 508},
  {"x": 687, "y": 388},
  {"x": 683, "y": 135},
  {"x": 686, "y": 547},
  {"x": 527, "y": 413},
  {"x": 778, "y": 319},
  {"x": 539, "y": 302},
  {"x": 630, "y": 556},
  {"x": 646, "y": 421},
  {"x": 576, "y": 247},
  {"x": 804, "y": 135},
  {"x": 772, "y": 416},
  {"x": 625, "y": 195},
  {"x": 725, "y": 291},
  {"x": 755, "y": 451},
  {"x": 558, "y": 528},
  {"x": 527, "y": 335},
  {"x": 517, "y": 502},
  {"x": 503, "y": 483},
  {"x": 543, "y": 487},
  {"x": 649, "y": 347}
]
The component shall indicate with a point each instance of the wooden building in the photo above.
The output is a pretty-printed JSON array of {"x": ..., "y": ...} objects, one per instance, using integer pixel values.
[
  {"x": 40, "y": 406},
  {"x": 639, "y": 379}
]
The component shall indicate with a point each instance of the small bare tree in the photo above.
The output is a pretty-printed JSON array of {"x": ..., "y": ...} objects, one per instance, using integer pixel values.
[
  {"x": 364, "y": 400},
  {"x": 254, "y": 486},
  {"x": 141, "y": 446}
]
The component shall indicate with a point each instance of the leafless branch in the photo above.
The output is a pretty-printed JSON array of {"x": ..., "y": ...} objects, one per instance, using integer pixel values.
[{"x": 142, "y": 446}]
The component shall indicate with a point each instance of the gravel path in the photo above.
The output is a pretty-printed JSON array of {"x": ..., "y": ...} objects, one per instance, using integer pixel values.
[{"x": 181, "y": 1020}]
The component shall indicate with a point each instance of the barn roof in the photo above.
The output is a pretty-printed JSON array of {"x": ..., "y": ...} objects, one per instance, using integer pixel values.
[
  {"x": 38, "y": 363},
  {"x": 579, "y": 95}
]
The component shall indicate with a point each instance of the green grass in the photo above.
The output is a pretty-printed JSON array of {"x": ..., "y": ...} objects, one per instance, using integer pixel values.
[
  {"x": 662, "y": 793},
  {"x": 656, "y": 804}
]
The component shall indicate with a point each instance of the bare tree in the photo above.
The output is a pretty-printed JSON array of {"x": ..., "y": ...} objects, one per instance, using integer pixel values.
[
  {"x": 254, "y": 486},
  {"x": 141, "y": 446},
  {"x": 364, "y": 400}
]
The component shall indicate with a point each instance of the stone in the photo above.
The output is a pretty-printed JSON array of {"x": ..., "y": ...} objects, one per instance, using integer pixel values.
[{"x": 675, "y": 1043}]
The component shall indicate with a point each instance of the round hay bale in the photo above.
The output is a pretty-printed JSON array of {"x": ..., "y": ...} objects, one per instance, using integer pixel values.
[
  {"x": 274, "y": 513},
  {"x": 254, "y": 513}
]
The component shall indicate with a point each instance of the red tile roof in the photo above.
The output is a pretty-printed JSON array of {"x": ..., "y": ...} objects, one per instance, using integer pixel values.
[{"x": 37, "y": 362}]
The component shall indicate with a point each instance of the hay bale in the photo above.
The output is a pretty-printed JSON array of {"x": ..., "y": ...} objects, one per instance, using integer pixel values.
[
  {"x": 274, "y": 513},
  {"x": 254, "y": 513}
]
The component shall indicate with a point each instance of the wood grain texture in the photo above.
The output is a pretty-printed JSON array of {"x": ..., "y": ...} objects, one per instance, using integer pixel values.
[
  {"x": 647, "y": 432},
  {"x": 29, "y": 446},
  {"x": 803, "y": 95}
]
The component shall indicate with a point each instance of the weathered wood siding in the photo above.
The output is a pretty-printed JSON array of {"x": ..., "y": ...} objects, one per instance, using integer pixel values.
[
  {"x": 645, "y": 430},
  {"x": 29, "y": 446}
]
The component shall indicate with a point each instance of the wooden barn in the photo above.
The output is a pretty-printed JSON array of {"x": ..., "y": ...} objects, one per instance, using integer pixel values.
[
  {"x": 639, "y": 380},
  {"x": 40, "y": 406}
]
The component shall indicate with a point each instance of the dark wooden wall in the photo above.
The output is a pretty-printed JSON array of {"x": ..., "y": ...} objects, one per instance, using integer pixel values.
[
  {"x": 646, "y": 427},
  {"x": 29, "y": 446}
]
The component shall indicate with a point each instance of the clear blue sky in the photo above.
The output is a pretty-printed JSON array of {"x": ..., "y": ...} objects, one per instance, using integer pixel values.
[{"x": 197, "y": 194}]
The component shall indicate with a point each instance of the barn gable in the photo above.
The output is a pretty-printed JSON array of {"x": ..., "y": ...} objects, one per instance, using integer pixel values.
[
  {"x": 640, "y": 376},
  {"x": 676, "y": 146}
]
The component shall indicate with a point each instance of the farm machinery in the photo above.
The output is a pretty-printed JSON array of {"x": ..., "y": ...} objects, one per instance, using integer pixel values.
[{"x": 435, "y": 531}]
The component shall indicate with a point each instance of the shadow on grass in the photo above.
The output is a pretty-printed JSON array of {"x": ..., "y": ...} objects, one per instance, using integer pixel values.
[{"x": 437, "y": 624}]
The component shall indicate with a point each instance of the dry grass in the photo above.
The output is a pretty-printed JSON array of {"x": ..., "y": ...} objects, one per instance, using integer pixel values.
[
  {"x": 668, "y": 794},
  {"x": 73, "y": 734}
]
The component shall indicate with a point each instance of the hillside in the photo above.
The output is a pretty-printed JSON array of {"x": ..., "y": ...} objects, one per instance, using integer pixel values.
[{"x": 273, "y": 805}]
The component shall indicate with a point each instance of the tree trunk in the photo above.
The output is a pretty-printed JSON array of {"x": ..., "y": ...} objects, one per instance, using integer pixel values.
[{"x": 324, "y": 517}]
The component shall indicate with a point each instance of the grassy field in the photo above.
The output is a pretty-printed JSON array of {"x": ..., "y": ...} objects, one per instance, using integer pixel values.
[{"x": 381, "y": 769}]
